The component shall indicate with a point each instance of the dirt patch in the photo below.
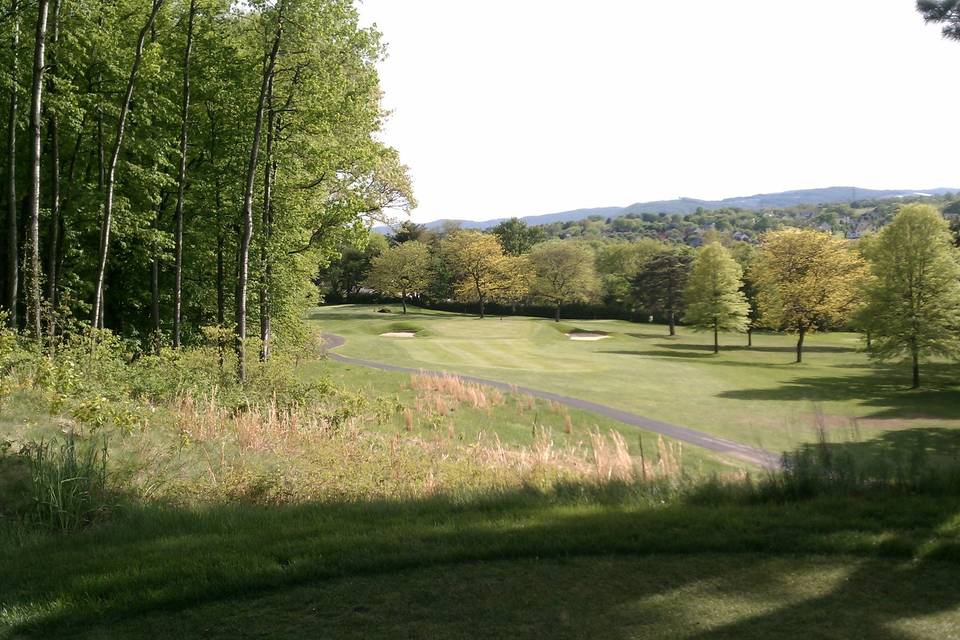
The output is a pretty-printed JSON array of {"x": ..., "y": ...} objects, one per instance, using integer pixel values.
[
  {"x": 587, "y": 337},
  {"x": 398, "y": 334}
]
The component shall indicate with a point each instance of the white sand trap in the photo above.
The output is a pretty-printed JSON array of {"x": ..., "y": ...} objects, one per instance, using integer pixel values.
[
  {"x": 398, "y": 334},
  {"x": 587, "y": 337}
]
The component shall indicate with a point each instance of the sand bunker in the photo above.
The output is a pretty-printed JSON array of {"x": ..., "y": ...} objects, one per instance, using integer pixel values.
[
  {"x": 398, "y": 334},
  {"x": 587, "y": 336}
]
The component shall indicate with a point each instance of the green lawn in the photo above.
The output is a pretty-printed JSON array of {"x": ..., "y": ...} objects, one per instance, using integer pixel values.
[
  {"x": 757, "y": 396},
  {"x": 513, "y": 566}
]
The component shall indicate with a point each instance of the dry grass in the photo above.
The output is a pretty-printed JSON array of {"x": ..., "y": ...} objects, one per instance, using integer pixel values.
[
  {"x": 441, "y": 395},
  {"x": 275, "y": 454}
]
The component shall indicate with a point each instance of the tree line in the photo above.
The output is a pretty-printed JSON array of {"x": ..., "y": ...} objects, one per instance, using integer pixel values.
[
  {"x": 900, "y": 286},
  {"x": 177, "y": 168}
]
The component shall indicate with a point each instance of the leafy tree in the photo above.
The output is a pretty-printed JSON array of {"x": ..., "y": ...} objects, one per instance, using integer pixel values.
[
  {"x": 619, "y": 262},
  {"x": 659, "y": 285},
  {"x": 806, "y": 280},
  {"x": 513, "y": 280},
  {"x": 745, "y": 254},
  {"x": 516, "y": 237},
  {"x": 713, "y": 297},
  {"x": 913, "y": 299},
  {"x": 401, "y": 270},
  {"x": 345, "y": 274},
  {"x": 409, "y": 230},
  {"x": 479, "y": 263},
  {"x": 564, "y": 272}
]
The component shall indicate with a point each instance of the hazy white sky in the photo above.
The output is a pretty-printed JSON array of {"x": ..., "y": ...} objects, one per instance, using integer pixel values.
[{"x": 520, "y": 107}]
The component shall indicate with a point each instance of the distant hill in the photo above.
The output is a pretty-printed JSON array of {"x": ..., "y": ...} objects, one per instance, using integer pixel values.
[{"x": 781, "y": 200}]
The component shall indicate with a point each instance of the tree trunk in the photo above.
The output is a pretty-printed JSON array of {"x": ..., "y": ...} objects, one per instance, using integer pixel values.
[
  {"x": 482, "y": 314},
  {"x": 53, "y": 256},
  {"x": 915, "y": 358},
  {"x": 36, "y": 126},
  {"x": 869, "y": 342},
  {"x": 749, "y": 336},
  {"x": 243, "y": 258},
  {"x": 403, "y": 300},
  {"x": 111, "y": 169},
  {"x": 671, "y": 321},
  {"x": 556, "y": 314},
  {"x": 182, "y": 182},
  {"x": 801, "y": 334},
  {"x": 13, "y": 244},
  {"x": 155, "y": 294},
  {"x": 716, "y": 337},
  {"x": 266, "y": 230}
]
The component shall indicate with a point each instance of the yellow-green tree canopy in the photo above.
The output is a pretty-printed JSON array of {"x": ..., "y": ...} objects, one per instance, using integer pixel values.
[
  {"x": 479, "y": 263},
  {"x": 401, "y": 270},
  {"x": 714, "y": 299},
  {"x": 564, "y": 272},
  {"x": 912, "y": 303},
  {"x": 806, "y": 279}
]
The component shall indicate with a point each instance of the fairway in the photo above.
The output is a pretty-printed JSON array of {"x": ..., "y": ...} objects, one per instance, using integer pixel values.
[{"x": 756, "y": 396}]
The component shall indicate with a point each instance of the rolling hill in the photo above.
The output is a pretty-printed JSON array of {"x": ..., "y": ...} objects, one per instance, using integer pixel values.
[{"x": 778, "y": 200}]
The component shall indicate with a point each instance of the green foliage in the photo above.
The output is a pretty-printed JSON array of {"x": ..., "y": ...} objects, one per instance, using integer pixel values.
[
  {"x": 564, "y": 272},
  {"x": 516, "y": 237},
  {"x": 713, "y": 297},
  {"x": 806, "y": 280},
  {"x": 69, "y": 481},
  {"x": 659, "y": 284},
  {"x": 401, "y": 270},
  {"x": 913, "y": 299}
]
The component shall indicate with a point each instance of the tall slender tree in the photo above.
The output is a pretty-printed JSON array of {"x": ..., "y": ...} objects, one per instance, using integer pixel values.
[
  {"x": 13, "y": 224},
  {"x": 246, "y": 213},
  {"x": 53, "y": 124},
  {"x": 36, "y": 127},
  {"x": 111, "y": 169},
  {"x": 182, "y": 179}
]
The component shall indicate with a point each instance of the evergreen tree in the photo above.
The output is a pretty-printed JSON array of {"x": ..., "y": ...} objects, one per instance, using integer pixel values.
[{"x": 659, "y": 285}]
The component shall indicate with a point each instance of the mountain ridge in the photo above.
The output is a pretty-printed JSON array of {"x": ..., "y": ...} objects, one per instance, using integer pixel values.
[{"x": 684, "y": 205}]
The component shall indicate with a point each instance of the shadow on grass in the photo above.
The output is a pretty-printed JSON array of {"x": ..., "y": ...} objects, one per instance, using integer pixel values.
[
  {"x": 168, "y": 572},
  {"x": 886, "y": 389},
  {"x": 368, "y": 314}
]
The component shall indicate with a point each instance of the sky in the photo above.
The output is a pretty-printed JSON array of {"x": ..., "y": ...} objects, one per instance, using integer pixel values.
[{"x": 523, "y": 107}]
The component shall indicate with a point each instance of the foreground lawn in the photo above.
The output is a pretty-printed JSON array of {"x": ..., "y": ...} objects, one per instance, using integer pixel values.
[
  {"x": 575, "y": 564},
  {"x": 757, "y": 396}
]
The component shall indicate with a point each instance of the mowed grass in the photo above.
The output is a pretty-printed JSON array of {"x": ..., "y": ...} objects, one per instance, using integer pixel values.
[
  {"x": 757, "y": 396},
  {"x": 523, "y": 565}
]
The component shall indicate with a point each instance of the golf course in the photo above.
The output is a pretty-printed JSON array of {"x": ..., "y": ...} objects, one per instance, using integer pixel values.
[{"x": 754, "y": 395}]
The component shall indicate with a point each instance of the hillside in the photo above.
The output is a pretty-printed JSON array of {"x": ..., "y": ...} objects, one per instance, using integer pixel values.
[{"x": 684, "y": 206}]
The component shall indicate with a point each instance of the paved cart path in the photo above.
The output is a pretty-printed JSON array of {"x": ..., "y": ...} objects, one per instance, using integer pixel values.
[{"x": 747, "y": 453}]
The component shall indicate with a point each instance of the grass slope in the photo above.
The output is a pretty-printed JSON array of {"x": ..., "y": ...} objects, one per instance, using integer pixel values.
[{"x": 757, "y": 396}]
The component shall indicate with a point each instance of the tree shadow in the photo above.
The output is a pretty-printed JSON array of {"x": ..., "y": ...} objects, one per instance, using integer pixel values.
[
  {"x": 884, "y": 389},
  {"x": 704, "y": 356},
  {"x": 231, "y": 571}
]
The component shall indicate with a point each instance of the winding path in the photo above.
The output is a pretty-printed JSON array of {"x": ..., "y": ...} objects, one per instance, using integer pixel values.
[{"x": 753, "y": 455}]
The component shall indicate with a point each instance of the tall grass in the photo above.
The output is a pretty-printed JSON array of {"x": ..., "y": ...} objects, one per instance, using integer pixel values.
[{"x": 69, "y": 481}]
